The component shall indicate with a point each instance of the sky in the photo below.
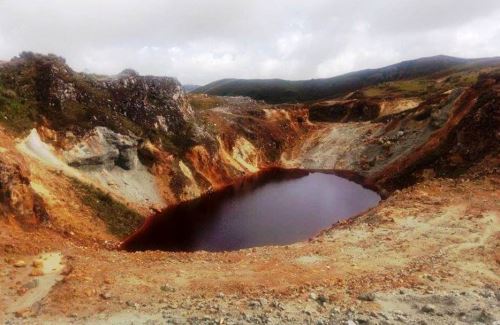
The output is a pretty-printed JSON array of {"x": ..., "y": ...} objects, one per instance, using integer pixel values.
[{"x": 199, "y": 41}]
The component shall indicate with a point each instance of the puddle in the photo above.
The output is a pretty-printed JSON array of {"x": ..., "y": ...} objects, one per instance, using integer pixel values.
[{"x": 277, "y": 207}]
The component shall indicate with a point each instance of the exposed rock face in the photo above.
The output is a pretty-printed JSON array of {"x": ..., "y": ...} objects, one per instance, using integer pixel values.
[
  {"x": 149, "y": 101},
  {"x": 67, "y": 100},
  {"x": 111, "y": 160},
  {"x": 104, "y": 147},
  {"x": 17, "y": 199}
]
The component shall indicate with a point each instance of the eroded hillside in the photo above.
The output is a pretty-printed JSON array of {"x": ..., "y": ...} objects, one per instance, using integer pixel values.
[{"x": 86, "y": 158}]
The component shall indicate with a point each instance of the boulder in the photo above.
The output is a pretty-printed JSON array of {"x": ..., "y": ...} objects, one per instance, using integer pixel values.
[
  {"x": 104, "y": 148},
  {"x": 17, "y": 198}
]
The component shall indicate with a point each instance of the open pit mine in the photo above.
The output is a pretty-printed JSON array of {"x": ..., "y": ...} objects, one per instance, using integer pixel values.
[{"x": 124, "y": 199}]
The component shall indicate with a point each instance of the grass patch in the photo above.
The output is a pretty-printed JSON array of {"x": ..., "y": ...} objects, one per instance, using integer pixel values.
[
  {"x": 120, "y": 219},
  {"x": 462, "y": 79},
  {"x": 203, "y": 102},
  {"x": 374, "y": 92},
  {"x": 17, "y": 114},
  {"x": 413, "y": 87},
  {"x": 410, "y": 87}
]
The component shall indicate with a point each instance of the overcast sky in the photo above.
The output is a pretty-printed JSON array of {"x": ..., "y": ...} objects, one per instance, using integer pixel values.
[{"x": 205, "y": 40}]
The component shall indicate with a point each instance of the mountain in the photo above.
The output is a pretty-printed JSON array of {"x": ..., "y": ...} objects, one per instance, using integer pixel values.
[
  {"x": 287, "y": 91},
  {"x": 189, "y": 88}
]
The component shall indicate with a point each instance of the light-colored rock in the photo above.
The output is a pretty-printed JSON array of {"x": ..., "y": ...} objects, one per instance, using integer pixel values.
[
  {"x": 103, "y": 147},
  {"x": 20, "y": 263},
  {"x": 429, "y": 308}
]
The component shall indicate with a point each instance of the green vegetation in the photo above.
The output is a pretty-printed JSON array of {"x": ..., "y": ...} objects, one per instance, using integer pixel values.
[
  {"x": 280, "y": 91},
  {"x": 463, "y": 78},
  {"x": 376, "y": 91},
  {"x": 415, "y": 86},
  {"x": 17, "y": 114},
  {"x": 120, "y": 219},
  {"x": 404, "y": 88},
  {"x": 203, "y": 102}
]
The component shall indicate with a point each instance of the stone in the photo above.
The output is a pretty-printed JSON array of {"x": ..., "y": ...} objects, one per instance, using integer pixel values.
[
  {"x": 17, "y": 198},
  {"x": 31, "y": 284},
  {"x": 254, "y": 304},
  {"x": 167, "y": 288},
  {"x": 429, "y": 308},
  {"x": 22, "y": 313},
  {"x": 36, "y": 272},
  {"x": 103, "y": 147},
  {"x": 105, "y": 295},
  {"x": 401, "y": 318},
  {"x": 322, "y": 299},
  {"x": 19, "y": 263},
  {"x": 367, "y": 296},
  {"x": 37, "y": 263}
]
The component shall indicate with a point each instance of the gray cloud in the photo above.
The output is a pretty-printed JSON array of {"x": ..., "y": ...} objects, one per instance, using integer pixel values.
[{"x": 201, "y": 41}]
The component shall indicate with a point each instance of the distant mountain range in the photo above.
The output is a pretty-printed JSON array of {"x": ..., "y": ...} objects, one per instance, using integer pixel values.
[
  {"x": 189, "y": 88},
  {"x": 286, "y": 91}
]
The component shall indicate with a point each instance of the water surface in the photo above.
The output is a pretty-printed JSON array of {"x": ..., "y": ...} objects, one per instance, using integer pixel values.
[{"x": 276, "y": 208}]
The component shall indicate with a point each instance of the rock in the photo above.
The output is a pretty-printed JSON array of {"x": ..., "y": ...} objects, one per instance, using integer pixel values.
[
  {"x": 367, "y": 296},
  {"x": 167, "y": 288},
  {"x": 429, "y": 308},
  {"x": 486, "y": 293},
  {"x": 31, "y": 284},
  {"x": 22, "y": 313},
  {"x": 363, "y": 319},
  {"x": 335, "y": 310},
  {"x": 105, "y": 295},
  {"x": 36, "y": 272},
  {"x": 497, "y": 294},
  {"x": 402, "y": 319},
  {"x": 17, "y": 198},
  {"x": 254, "y": 304},
  {"x": 132, "y": 304},
  {"x": 37, "y": 263},
  {"x": 103, "y": 147},
  {"x": 19, "y": 263},
  {"x": 313, "y": 296},
  {"x": 322, "y": 299}
]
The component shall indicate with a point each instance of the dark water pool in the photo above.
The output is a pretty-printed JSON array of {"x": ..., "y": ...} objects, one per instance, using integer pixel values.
[{"x": 279, "y": 207}]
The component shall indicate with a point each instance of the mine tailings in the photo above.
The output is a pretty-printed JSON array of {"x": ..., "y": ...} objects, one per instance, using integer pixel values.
[{"x": 273, "y": 207}]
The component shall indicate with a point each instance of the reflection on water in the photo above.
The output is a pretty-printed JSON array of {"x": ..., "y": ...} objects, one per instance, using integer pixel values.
[{"x": 278, "y": 207}]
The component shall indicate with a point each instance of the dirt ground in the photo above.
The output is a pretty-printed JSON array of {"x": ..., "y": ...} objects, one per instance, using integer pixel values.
[{"x": 429, "y": 254}]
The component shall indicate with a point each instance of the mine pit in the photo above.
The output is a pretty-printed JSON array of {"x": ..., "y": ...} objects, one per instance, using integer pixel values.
[{"x": 273, "y": 207}]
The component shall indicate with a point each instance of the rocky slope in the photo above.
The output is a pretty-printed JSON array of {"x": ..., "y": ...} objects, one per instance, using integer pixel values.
[{"x": 85, "y": 158}]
